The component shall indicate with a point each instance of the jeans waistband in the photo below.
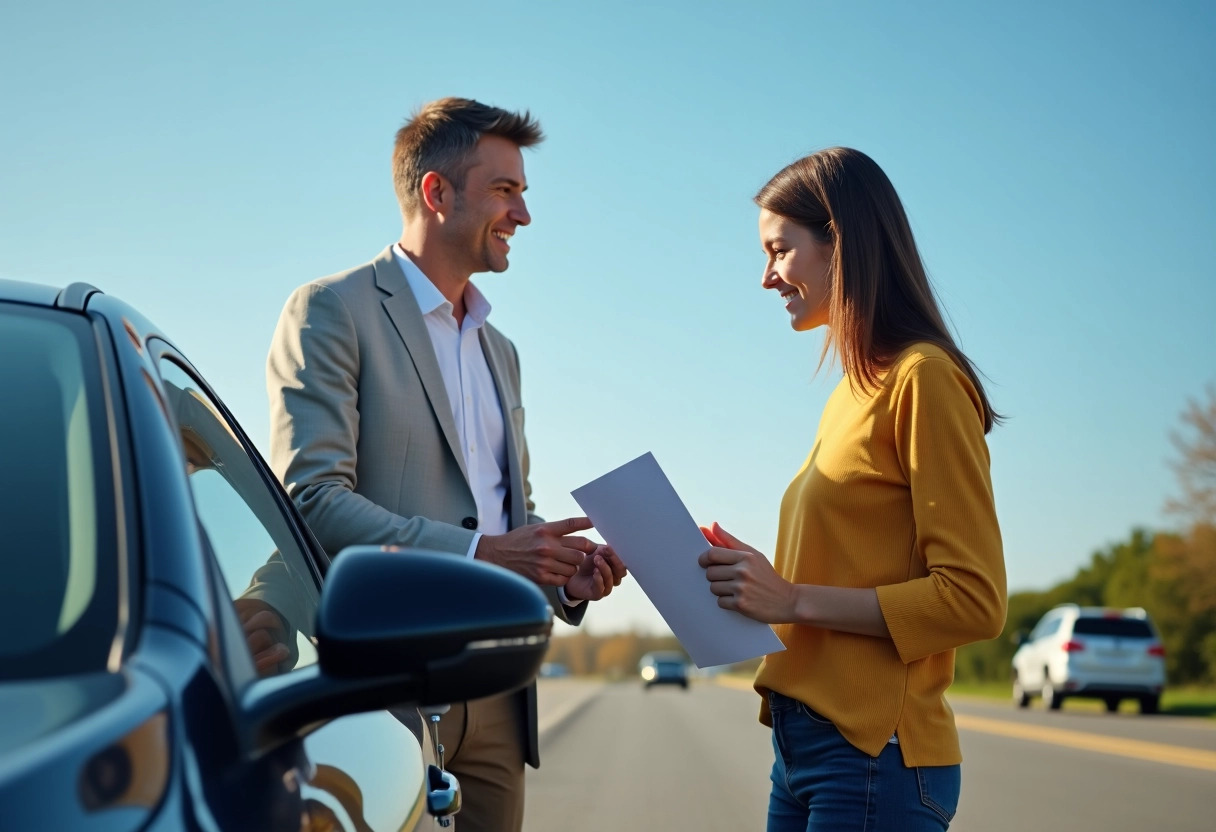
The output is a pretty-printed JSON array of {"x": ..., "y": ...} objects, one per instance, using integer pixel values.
[{"x": 781, "y": 702}]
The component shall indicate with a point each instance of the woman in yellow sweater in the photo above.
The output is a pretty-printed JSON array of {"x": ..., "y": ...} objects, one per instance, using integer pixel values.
[{"x": 888, "y": 550}]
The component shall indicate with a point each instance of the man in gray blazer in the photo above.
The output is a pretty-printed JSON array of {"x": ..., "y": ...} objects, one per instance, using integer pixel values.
[{"x": 396, "y": 415}]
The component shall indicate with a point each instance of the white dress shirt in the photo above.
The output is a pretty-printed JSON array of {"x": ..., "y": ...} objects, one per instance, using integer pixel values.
[{"x": 472, "y": 395}]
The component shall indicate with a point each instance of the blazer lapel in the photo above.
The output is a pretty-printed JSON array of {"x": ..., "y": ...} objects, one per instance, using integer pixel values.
[
  {"x": 507, "y": 398},
  {"x": 402, "y": 309}
]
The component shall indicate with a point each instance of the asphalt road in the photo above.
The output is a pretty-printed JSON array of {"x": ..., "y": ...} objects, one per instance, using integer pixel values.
[{"x": 625, "y": 759}]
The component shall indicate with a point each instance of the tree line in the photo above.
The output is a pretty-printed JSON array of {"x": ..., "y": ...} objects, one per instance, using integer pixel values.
[
  {"x": 615, "y": 656},
  {"x": 1171, "y": 574}
]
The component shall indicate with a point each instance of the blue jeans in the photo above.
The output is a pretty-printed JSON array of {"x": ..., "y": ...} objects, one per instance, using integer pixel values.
[{"x": 822, "y": 783}]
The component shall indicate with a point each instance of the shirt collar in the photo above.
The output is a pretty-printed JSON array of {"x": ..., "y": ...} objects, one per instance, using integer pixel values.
[{"x": 476, "y": 307}]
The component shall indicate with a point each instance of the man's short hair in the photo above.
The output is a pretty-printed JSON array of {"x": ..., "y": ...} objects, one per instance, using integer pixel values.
[{"x": 441, "y": 137}]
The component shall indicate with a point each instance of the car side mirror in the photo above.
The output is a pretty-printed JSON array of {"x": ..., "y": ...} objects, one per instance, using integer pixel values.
[
  {"x": 465, "y": 629},
  {"x": 399, "y": 626}
]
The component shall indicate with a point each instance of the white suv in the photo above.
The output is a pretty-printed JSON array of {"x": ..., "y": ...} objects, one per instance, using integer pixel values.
[{"x": 1091, "y": 652}]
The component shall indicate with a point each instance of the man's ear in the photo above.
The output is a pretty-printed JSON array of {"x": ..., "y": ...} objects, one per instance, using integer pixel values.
[{"x": 436, "y": 192}]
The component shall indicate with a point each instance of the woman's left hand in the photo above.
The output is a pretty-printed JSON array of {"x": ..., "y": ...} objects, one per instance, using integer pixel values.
[{"x": 744, "y": 580}]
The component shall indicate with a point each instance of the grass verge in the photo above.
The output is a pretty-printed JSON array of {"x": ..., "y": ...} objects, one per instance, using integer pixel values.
[{"x": 1185, "y": 701}]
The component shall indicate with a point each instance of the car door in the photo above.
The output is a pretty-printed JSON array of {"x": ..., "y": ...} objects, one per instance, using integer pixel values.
[
  {"x": 84, "y": 732},
  {"x": 1049, "y": 658},
  {"x": 360, "y": 772},
  {"x": 1030, "y": 662}
]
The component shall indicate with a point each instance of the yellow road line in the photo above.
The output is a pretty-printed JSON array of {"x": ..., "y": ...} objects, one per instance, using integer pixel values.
[{"x": 1156, "y": 752}]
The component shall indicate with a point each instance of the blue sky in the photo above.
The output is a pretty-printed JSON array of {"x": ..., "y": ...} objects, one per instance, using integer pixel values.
[{"x": 1056, "y": 160}]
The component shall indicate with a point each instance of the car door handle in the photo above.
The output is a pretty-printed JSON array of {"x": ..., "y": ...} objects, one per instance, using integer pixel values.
[{"x": 443, "y": 792}]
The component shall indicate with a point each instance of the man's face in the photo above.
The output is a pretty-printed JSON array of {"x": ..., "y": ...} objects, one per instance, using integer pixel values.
[{"x": 490, "y": 207}]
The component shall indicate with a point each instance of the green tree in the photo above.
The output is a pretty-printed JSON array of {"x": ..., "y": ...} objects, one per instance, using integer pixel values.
[
  {"x": 1188, "y": 560},
  {"x": 1196, "y": 465}
]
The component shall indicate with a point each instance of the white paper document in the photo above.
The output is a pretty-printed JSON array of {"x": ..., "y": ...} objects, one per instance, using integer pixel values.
[{"x": 639, "y": 514}]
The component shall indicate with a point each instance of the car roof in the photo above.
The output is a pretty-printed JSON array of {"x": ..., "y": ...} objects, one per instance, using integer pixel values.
[
  {"x": 1103, "y": 612},
  {"x": 35, "y": 294},
  {"x": 77, "y": 297},
  {"x": 1111, "y": 612}
]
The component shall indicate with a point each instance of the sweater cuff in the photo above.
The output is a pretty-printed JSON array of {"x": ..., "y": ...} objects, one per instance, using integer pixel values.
[{"x": 900, "y": 610}]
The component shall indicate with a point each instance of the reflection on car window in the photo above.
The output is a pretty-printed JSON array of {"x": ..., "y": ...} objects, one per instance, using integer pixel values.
[
  {"x": 265, "y": 570},
  {"x": 58, "y": 602}
]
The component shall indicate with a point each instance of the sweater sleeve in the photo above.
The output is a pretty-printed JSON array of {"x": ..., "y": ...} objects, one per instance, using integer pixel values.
[{"x": 939, "y": 438}]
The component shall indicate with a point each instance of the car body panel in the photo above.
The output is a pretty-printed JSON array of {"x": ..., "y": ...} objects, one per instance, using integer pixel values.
[
  {"x": 35, "y": 294},
  {"x": 80, "y": 731},
  {"x": 167, "y": 715}
]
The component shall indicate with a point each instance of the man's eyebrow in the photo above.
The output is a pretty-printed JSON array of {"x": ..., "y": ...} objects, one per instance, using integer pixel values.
[{"x": 509, "y": 181}]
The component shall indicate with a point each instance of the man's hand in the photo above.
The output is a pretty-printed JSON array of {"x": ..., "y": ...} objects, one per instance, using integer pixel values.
[
  {"x": 744, "y": 580},
  {"x": 545, "y": 553},
  {"x": 265, "y": 633},
  {"x": 601, "y": 571}
]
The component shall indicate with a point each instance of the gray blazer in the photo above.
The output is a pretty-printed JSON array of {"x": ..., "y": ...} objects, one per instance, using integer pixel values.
[{"x": 361, "y": 429}]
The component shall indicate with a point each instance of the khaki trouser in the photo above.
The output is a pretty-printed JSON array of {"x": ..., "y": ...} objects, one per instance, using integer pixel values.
[{"x": 483, "y": 747}]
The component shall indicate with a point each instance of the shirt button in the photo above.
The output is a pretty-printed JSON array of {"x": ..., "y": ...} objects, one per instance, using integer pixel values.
[{"x": 469, "y": 523}]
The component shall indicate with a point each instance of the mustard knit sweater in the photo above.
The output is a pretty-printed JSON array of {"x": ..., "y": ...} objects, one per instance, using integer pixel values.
[{"x": 896, "y": 495}]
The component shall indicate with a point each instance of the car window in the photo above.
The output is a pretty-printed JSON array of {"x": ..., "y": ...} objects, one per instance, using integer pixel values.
[
  {"x": 1117, "y": 627},
  {"x": 59, "y": 573},
  {"x": 1041, "y": 627},
  {"x": 1047, "y": 628},
  {"x": 263, "y": 565}
]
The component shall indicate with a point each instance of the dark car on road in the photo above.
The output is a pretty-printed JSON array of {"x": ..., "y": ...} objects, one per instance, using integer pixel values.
[
  {"x": 665, "y": 668},
  {"x": 172, "y": 659}
]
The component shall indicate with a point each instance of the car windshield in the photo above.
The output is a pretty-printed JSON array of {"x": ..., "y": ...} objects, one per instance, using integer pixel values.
[
  {"x": 1118, "y": 627},
  {"x": 58, "y": 605}
]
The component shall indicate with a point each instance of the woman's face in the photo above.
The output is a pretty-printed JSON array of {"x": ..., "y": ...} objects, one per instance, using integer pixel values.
[{"x": 798, "y": 268}]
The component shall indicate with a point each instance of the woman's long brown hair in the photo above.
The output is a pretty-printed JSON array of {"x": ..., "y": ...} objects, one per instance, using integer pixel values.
[{"x": 881, "y": 299}]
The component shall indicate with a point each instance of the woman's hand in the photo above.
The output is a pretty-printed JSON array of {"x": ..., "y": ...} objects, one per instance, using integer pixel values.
[{"x": 744, "y": 580}]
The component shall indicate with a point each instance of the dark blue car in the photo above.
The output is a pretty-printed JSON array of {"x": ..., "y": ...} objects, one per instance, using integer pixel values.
[{"x": 169, "y": 658}]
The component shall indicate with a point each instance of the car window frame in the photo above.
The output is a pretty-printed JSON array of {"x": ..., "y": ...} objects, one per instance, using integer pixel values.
[
  {"x": 318, "y": 560},
  {"x": 237, "y": 665},
  {"x": 125, "y": 492},
  {"x": 113, "y": 496}
]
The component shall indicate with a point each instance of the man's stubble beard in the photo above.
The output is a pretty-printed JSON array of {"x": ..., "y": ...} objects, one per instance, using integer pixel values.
[{"x": 474, "y": 244}]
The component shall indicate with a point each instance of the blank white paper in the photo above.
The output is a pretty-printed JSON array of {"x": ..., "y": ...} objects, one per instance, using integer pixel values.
[{"x": 638, "y": 513}]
